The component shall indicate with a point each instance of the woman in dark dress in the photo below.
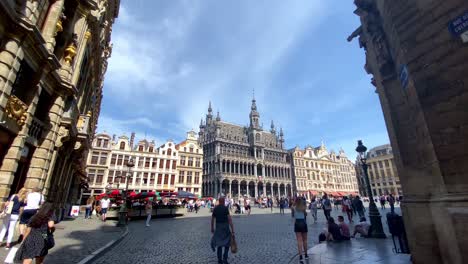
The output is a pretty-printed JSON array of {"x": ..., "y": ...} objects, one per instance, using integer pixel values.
[
  {"x": 35, "y": 243},
  {"x": 221, "y": 235}
]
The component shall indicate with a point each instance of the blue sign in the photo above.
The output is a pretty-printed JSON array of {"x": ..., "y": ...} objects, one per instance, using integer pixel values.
[
  {"x": 404, "y": 76},
  {"x": 459, "y": 25}
]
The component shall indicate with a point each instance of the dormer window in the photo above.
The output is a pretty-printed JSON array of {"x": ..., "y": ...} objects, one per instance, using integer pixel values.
[
  {"x": 122, "y": 145},
  {"x": 140, "y": 148},
  {"x": 150, "y": 149}
]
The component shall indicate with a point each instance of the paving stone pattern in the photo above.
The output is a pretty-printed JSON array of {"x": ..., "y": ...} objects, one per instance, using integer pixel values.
[
  {"x": 262, "y": 238},
  {"x": 77, "y": 238}
]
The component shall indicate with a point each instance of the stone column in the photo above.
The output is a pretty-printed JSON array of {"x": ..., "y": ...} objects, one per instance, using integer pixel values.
[
  {"x": 230, "y": 192},
  {"x": 53, "y": 24},
  {"x": 238, "y": 189},
  {"x": 271, "y": 190},
  {"x": 80, "y": 30},
  {"x": 264, "y": 188},
  {"x": 216, "y": 189},
  {"x": 263, "y": 171},
  {"x": 255, "y": 170},
  {"x": 248, "y": 190},
  {"x": 256, "y": 190}
]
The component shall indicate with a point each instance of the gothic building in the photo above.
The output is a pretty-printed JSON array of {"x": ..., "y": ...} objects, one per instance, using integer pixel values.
[{"x": 243, "y": 160}]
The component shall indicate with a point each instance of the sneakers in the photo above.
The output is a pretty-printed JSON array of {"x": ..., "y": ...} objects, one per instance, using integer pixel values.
[
  {"x": 306, "y": 256},
  {"x": 147, "y": 225}
]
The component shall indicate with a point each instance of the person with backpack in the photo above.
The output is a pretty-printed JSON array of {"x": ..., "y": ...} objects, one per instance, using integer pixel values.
[
  {"x": 391, "y": 202},
  {"x": 299, "y": 214},
  {"x": 327, "y": 207}
]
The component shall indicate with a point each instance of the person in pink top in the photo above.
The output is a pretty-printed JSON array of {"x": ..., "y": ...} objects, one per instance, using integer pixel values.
[{"x": 344, "y": 228}]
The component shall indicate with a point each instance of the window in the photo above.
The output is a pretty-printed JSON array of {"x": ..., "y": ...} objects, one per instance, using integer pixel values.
[
  {"x": 197, "y": 178},
  {"x": 103, "y": 158},
  {"x": 166, "y": 179},
  {"x": 174, "y": 164},
  {"x": 169, "y": 152},
  {"x": 140, "y": 162},
  {"x": 182, "y": 160},
  {"x": 147, "y": 163},
  {"x": 188, "y": 189},
  {"x": 150, "y": 149},
  {"x": 168, "y": 164},
  {"x": 119, "y": 160},
  {"x": 122, "y": 145},
  {"x": 152, "y": 176},
  {"x": 197, "y": 162},
  {"x": 105, "y": 143},
  {"x": 145, "y": 178},
  {"x": 99, "y": 176},
  {"x": 190, "y": 162},
  {"x": 91, "y": 175},
  {"x": 140, "y": 148},
  {"x": 42, "y": 10},
  {"x": 172, "y": 179},
  {"x": 113, "y": 159},
  {"x": 181, "y": 176},
  {"x": 380, "y": 164},
  {"x": 191, "y": 150},
  {"x": 94, "y": 157},
  {"x": 159, "y": 178},
  {"x": 161, "y": 163},
  {"x": 189, "y": 177},
  {"x": 180, "y": 189},
  {"x": 195, "y": 190}
]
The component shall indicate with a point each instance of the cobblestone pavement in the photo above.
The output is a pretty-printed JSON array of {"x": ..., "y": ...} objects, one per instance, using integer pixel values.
[
  {"x": 262, "y": 238},
  {"x": 76, "y": 238}
]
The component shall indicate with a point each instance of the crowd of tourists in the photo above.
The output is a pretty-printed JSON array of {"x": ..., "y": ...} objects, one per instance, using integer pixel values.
[
  {"x": 337, "y": 230},
  {"x": 28, "y": 213}
]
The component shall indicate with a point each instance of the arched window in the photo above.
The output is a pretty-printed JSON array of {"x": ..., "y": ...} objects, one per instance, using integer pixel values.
[
  {"x": 140, "y": 148},
  {"x": 257, "y": 137},
  {"x": 122, "y": 145},
  {"x": 169, "y": 152}
]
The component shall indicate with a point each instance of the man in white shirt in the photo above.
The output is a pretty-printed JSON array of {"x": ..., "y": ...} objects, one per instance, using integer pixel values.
[
  {"x": 104, "y": 206},
  {"x": 34, "y": 200}
]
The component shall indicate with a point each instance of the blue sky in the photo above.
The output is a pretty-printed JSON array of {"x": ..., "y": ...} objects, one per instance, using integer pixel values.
[{"x": 171, "y": 57}]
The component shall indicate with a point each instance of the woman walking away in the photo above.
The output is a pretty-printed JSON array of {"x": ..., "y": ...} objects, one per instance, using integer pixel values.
[
  {"x": 38, "y": 237},
  {"x": 300, "y": 227},
  {"x": 347, "y": 208},
  {"x": 149, "y": 211},
  {"x": 89, "y": 207},
  {"x": 221, "y": 235},
  {"x": 12, "y": 210},
  {"x": 327, "y": 207},
  {"x": 22, "y": 195}
]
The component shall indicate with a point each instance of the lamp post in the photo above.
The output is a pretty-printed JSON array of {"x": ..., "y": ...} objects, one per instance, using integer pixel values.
[
  {"x": 374, "y": 214},
  {"x": 123, "y": 208}
]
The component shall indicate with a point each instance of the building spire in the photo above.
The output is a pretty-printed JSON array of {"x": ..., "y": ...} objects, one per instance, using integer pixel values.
[
  {"x": 218, "y": 117},
  {"x": 210, "y": 110},
  {"x": 273, "y": 130}
]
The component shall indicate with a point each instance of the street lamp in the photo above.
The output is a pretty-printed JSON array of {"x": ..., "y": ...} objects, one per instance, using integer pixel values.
[
  {"x": 123, "y": 207},
  {"x": 374, "y": 214}
]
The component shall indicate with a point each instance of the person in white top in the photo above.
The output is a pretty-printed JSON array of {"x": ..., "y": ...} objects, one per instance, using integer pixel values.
[
  {"x": 33, "y": 201},
  {"x": 105, "y": 202}
]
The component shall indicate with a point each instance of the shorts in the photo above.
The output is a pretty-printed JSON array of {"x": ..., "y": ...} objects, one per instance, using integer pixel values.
[
  {"x": 27, "y": 215},
  {"x": 103, "y": 210},
  {"x": 300, "y": 226}
]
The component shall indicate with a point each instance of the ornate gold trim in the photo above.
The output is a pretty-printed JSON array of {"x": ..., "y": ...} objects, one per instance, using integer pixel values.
[
  {"x": 16, "y": 109},
  {"x": 87, "y": 34}
]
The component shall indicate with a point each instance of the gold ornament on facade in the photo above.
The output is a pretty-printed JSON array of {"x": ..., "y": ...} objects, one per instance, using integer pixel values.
[
  {"x": 17, "y": 110},
  {"x": 58, "y": 27},
  {"x": 88, "y": 35},
  {"x": 70, "y": 51},
  {"x": 89, "y": 113}
]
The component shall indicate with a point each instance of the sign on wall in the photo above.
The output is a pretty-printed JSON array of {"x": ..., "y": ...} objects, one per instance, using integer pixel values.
[{"x": 459, "y": 27}]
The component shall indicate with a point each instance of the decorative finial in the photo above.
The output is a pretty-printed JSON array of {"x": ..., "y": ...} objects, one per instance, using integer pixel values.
[
  {"x": 209, "y": 107},
  {"x": 218, "y": 117}
]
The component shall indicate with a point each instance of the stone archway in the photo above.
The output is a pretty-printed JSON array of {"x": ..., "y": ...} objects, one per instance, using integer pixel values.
[
  {"x": 260, "y": 189},
  {"x": 275, "y": 189},
  {"x": 234, "y": 188},
  {"x": 243, "y": 188},
  {"x": 251, "y": 191},
  {"x": 268, "y": 189},
  {"x": 224, "y": 187},
  {"x": 282, "y": 190}
]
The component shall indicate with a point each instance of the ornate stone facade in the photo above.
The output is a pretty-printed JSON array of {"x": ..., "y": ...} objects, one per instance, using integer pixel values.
[
  {"x": 420, "y": 70},
  {"x": 383, "y": 175},
  {"x": 316, "y": 171},
  {"x": 243, "y": 160},
  {"x": 52, "y": 66},
  {"x": 190, "y": 165},
  {"x": 155, "y": 167}
]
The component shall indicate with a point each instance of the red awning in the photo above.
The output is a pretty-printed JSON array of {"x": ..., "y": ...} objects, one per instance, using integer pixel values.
[{"x": 314, "y": 192}]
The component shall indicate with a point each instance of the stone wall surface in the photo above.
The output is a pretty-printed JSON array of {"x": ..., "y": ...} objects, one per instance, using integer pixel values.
[{"x": 427, "y": 119}]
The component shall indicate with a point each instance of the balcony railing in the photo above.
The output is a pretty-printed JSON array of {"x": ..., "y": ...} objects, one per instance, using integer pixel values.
[{"x": 36, "y": 129}]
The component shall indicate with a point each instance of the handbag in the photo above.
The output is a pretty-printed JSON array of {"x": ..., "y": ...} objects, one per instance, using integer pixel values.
[
  {"x": 50, "y": 240},
  {"x": 233, "y": 245}
]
